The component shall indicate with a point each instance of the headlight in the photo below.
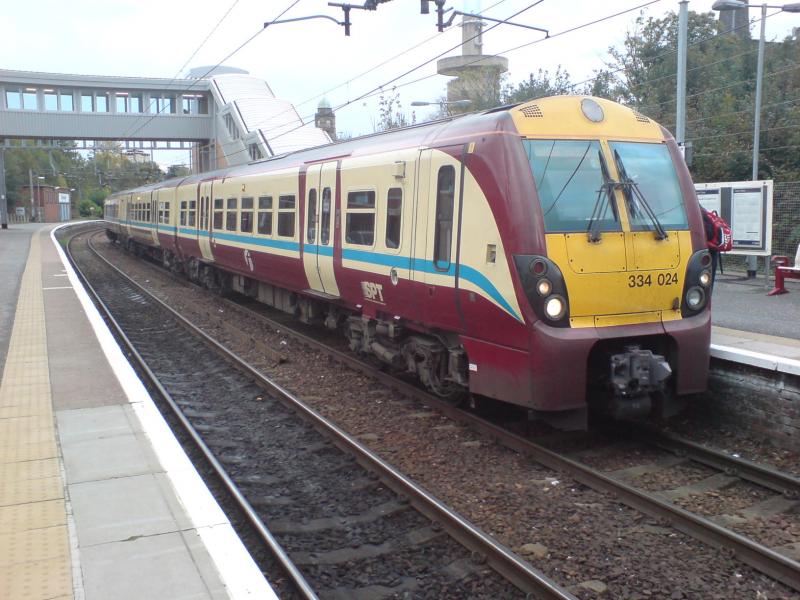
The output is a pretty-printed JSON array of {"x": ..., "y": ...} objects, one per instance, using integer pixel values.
[
  {"x": 705, "y": 278},
  {"x": 695, "y": 298},
  {"x": 544, "y": 287},
  {"x": 555, "y": 307}
]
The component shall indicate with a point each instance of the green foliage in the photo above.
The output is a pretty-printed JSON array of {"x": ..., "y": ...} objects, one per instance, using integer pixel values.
[
  {"x": 93, "y": 177},
  {"x": 538, "y": 86},
  {"x": 87, "y": 208},
  {"x": 391, "y": 114}
]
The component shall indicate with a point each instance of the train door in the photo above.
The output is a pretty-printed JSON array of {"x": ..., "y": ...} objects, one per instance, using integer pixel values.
[
  {"x": 204, "y": 200},
  {"x": 154, "y": 214},
  {"x": 435, "y": 262},
  {"x": 319, "y": 225}
]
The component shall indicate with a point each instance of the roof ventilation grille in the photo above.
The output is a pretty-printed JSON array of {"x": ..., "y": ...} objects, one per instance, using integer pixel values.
[
  {"x": 531, "y": 110},
  {"x": 640, "y": 117}
]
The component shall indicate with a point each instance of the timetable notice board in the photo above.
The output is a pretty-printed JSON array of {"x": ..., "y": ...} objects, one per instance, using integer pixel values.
[{"x": 747, "y": 207}]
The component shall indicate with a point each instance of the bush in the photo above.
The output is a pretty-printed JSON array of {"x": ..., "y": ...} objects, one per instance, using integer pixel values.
[{"x": 87, "y": 208}]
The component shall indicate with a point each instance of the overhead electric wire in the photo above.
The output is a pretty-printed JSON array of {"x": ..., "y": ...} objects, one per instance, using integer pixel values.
[
  {"x": 380, "y": 89},
  {"x": 183, "y": 66},
  {"x": 747, "y": 150},
  {"x": 242, "y": 45},
  {"x": 723, "y": 87},
  {"x": 674, "y": 51}
]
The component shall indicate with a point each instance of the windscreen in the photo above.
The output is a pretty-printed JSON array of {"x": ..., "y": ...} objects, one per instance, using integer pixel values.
[
  {"x": 650, "y": 167},
  {"x": 569, "y": 180}
]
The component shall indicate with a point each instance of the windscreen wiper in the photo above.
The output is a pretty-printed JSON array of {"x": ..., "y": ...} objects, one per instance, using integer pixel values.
[
  {"x": 606, "y": 192},
  {"x": 631, "y": 189}
]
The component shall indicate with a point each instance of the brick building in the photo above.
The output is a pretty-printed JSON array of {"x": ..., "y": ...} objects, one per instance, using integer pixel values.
[{"x": 51, "y": 204}]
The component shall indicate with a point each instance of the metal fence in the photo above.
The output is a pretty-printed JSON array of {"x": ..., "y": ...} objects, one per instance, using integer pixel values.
[{"x": 786, "y": 218}]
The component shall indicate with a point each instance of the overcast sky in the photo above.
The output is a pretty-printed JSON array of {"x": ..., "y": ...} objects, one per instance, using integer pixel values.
[{"x": 307, "y": 60}]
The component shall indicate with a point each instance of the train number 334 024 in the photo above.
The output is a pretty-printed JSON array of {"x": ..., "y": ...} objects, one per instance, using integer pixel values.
[{"x": 648, "y": 280}]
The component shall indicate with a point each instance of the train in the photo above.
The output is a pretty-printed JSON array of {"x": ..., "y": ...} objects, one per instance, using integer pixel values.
[{"x": 549, "y": 254}]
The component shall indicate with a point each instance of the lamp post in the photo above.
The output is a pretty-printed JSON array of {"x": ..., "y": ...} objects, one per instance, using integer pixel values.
[
  {"x": 39, "y": 200},
  {"x": 720, "y": 5},
  {"x": 443, "y": 103}
]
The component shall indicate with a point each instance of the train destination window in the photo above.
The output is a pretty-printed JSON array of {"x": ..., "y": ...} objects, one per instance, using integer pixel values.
[
  {"x": 265, "y": 215},
  {"x": 246, "y": 216},
  {"x": 286, "y": 207},
  {"x": 394, "y": 214},
  {"x": 445, "y": 198},
  {"x": 311, "y": 212},
  {"x": 230, "y": 216},
  {"x": 325, "y": 225},
  {"x": 650, "y": 166},
  {"x": 218, "y": 212},
  {"x": 360, "y": 224}
]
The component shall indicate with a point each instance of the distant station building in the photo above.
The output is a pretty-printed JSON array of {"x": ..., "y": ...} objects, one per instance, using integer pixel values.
[
  {"x": 50, "y": 204},
  {"x": 325, "y": 119},
  {"x": 475, "y": 74}
]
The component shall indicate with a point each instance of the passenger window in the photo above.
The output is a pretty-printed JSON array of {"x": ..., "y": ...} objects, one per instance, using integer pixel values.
[
  {"x": 325, "y": 226},
  {"x": 445, "y": 196},
  {"x": 311, "y": 235},
  {"x": 218, "y": 212},
  {"x": 286, "y": 208},
  {"x": 360, "y": 226},
  {"x": 230, "y": 216},
  {"x": 246, "y": 218},
  {"x": 265, "y": 215},
  {"x": 192, "y": 212},
  {"x": 183, "y": 212},
  {"x": 394, "y": 214}
]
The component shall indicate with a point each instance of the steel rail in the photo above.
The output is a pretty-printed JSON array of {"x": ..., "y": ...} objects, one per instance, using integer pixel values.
[
  {"x": 760, "y": 474},
  {"x": 303, "y": 587},
  {"x": 498, "y": 556},
  {"x": 756, "y": 555}
]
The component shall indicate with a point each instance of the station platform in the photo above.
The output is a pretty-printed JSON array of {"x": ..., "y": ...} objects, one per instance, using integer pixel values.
[
  {"x": 97, "y": 498},
  {"x": 752, "y": 328}
]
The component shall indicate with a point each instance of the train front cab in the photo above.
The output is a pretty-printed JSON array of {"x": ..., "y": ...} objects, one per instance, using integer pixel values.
[{"x": 621, "y": 289}]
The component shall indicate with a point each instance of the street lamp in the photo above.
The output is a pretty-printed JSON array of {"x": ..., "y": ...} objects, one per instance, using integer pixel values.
[
  {"x": 720, "y": 5},
  {"x": 456, "y": 103},
  {"x": 39, "y": 179}
]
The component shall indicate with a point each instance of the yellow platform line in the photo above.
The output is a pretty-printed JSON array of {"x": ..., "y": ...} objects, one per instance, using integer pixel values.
[{"x": 35, "y": 558}]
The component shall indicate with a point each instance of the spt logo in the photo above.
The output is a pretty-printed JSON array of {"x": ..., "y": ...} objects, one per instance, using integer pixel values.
[
  {"x": 248, "y": 259},
  {"x": 372, "y": 291}
]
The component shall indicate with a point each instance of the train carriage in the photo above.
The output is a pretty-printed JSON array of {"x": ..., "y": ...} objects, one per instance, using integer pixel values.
[{"x": 549, "y": 254}]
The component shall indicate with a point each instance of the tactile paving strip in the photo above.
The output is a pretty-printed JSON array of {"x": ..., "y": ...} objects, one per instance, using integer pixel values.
[{"x": 34, "y": 543}]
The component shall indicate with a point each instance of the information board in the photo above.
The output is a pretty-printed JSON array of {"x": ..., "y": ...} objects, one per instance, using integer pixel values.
[
  {"x": 63, "y": 198},
  {"x": 747, "y": 207}
]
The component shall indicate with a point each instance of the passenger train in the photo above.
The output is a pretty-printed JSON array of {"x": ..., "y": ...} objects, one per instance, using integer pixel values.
[{"x": 549, "y": 254}]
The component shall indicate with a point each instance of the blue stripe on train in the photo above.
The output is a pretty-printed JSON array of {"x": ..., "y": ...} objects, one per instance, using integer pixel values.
[{"x": 374, "y": 258}]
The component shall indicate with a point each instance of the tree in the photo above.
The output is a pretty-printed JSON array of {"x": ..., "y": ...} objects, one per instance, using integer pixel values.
[
  {"x": 390, "y": 113},
  {"x": 538, "y": 86}
]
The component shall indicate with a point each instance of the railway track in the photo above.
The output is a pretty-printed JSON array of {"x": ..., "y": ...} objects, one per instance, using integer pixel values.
[
  {"x": 759, "y": 556},
  {"x": 342, "y": 522}
]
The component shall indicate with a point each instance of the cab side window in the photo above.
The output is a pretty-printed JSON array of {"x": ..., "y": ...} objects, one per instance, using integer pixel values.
[{"x": 443, "y": 237}]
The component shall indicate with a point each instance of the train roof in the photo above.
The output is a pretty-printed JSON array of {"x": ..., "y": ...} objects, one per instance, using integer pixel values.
[{"x": 553, "y": 116}]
